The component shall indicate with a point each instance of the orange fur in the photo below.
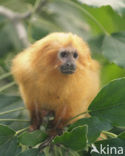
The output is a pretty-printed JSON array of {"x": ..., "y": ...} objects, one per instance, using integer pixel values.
[{"x": 43, "y": 86}]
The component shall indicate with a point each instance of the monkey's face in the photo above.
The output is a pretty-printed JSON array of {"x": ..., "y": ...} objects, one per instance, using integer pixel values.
[{"x": 67, "y": 57}]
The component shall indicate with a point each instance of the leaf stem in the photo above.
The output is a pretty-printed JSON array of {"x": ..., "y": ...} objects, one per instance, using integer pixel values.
[
  {"x": 112, "y": 135},
  {"x": 18, "y": 120},
  {"x": 5, "y": 75},
  {"x": 7, "y": 86},
  {"x": 21, "y": 130},
  {"x": 14, "y": 110},
  {"x": 46, "y": 143},
  {"x": 78, "y": 115}
]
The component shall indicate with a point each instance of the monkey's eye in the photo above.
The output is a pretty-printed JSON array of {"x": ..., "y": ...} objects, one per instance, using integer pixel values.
[
  {"x": 63, "y": 54},
  {"x": 75, "y": 55}
]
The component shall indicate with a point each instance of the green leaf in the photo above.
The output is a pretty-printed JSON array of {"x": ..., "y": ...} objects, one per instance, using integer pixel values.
[
  {"x": 76, "y": 139},
  {"x": 37, "y": 32},
  {"x": 95, "y": 43},
  {"x": 56, "y": 150},
  {"x": 31, "y": 152},
  {"x": 116, "y": 5},
  {"x": 95, "y": 126},
  {"x": 109, "y": 104},
  {"x": 10, "y": 43},
  {"x": 16, "y": 5},
  {"x": 10, "y": 148},
  {"x": 7, "y": 103},
  {"x": 122, "y": 135},
  {"x": 114, "y": 48},
  {"x": 110, "y": 23},
  {"x": 5, "y": 134},
  {"x": 32, "y": 138},
  {"x": 88, "y": 19},
  {"x": 30, "y": 1},
  {"x": 107, "y": 75},
  {"x": 72, "y": 13}
]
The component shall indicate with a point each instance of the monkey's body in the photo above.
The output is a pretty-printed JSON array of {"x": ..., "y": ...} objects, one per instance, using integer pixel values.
[{"x": 44, "y": 88}]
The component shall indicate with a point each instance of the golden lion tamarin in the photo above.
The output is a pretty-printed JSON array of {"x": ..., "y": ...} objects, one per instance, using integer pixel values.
[{"x": 56, "y": 74}]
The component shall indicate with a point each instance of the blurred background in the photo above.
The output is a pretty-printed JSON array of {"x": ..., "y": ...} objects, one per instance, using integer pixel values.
[{"x": 22, "y": 22}]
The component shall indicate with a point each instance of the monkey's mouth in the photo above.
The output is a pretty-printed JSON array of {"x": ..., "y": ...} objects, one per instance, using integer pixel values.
[{"x": 67, "y": 70}]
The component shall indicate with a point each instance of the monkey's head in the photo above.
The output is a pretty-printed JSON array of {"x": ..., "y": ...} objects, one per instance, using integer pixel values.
[
  {"x": 63, "y": 53},
  {"x": 67, "y": 57}
]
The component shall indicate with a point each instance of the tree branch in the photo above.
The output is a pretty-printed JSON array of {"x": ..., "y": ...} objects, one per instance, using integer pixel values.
[
  {"x": 17, "y": 20},
  {"x": 21, "y": 32},
  {"x": 38, "y": 7}
]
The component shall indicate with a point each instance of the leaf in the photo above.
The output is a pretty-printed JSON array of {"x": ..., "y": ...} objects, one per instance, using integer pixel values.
[
  {"x": 16, "y": 5},
  {"x": 115, "y": 4},
  {"x": 102, "y": 20},
  {"x": 95, "y": 43},
  {"x": 95, "y": 126},
  {"x": 35, "y": 29},
  {"x": 106, "y": 66},
  {"x": 7, "y": 103},
  {"x": 114, "y": 48},
  {"x": 122, "y": 135},
  {"x": 10, "y": 43},
  {"x": 109, "y": 104},
  {"x": 107, "y": 75},
  {"x": 76, "y": 139},
  {"x": 30, "y": 1},
  {"x": 88, "y": 19},
  {"x": 31, "y": 152},
  {"x": 32, "y": 138},
  {"x": 10, "y": 148},
  {"x": 5, "y": 134},
  {"x": 72, "y": 13},
  {"x": 56, "y": 150}
]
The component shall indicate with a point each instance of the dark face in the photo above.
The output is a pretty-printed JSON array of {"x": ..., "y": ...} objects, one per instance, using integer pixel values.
[{"x": 68, "y": 57}]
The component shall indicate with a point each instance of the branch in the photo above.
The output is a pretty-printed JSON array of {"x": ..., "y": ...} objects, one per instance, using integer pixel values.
[
  {"x": 7, "y": 86},
  {"x": 7, "y": 13},
  {"x": 21, "y": 32},
  {"x": 37, "y": 8},
  {"x": 41, "y": 4},
  {"x": 16, "y": 19}
]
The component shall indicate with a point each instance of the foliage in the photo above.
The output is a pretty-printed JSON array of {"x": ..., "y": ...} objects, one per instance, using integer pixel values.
[{"x": 102, "y": 25}]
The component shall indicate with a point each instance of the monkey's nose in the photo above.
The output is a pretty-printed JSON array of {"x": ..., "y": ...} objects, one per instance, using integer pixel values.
[
  {"x": 71, "y": 66},
  {"x": 68, "y": 68},
  {"x": 68, "y": 64}
]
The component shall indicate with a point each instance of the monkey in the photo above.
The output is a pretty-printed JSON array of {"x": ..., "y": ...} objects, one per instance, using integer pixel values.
[{"x": 56, "y": 74}]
